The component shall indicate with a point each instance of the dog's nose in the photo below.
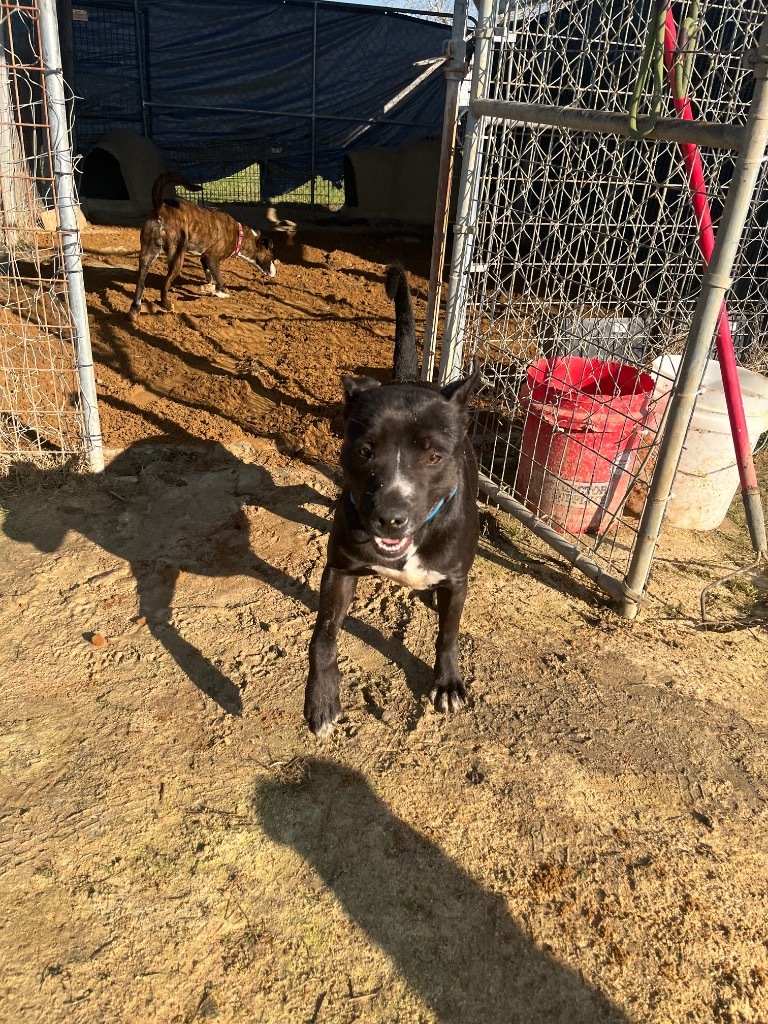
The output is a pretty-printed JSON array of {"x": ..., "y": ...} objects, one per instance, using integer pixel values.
[{"x": 391, "y": 519}]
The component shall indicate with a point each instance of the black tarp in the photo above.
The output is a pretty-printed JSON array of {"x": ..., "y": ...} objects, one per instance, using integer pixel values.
[{"x": 231, "y": 83}]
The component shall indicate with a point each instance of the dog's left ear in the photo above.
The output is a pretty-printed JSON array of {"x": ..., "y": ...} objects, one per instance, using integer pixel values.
[
  {"x": 356, "y": 385},
  {"x": 460, "y": 391}
]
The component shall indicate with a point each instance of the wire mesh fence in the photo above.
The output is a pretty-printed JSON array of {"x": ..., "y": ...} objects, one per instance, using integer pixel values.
[
  {"x": 583, "y": 265},
  {"x": 263, "y": 184},
  {"x": 41, "y": 414}
]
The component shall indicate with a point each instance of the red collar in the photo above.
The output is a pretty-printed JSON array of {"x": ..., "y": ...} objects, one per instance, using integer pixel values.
[{"x": 239, "y": 245}]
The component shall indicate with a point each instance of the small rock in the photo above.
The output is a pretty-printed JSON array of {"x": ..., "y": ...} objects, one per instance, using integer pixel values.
[
  {"x": 98, "y": 640},
  {"x": 704, "y": 819}
]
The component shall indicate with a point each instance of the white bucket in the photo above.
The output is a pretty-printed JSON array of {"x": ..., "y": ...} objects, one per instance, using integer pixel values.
[{"x": 708, "y": 477}]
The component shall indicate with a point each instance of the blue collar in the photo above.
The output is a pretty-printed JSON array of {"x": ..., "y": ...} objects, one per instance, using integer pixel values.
[
  {"x": 440, "y": 504},
  {"x": 434, "y": 511}
]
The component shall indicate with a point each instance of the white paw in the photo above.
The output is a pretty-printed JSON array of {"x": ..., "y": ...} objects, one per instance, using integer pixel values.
[
  {"x": 221, "y": 295},
  {"x": 447, "y": 700},
  {"x": 325, "y": 730}
]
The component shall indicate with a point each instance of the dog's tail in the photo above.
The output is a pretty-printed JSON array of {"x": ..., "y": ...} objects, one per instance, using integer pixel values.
[
  {"x": 169, "y": 179},
  {"x": 406, "y": 363}
]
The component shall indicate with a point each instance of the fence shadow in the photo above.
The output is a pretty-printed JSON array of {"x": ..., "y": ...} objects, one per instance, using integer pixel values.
[
  {"x": 454, "y": 943},
  {"x": 182, "y": 510}
]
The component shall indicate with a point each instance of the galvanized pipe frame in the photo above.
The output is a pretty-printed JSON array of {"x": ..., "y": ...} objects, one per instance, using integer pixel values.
[
  {"x": 455, "y": 72},
  {"x": 469, "y": 186},
  {"x": 579, "y": 559},
  {"x": 709, "y": 307},
  {"x": 667, "y": 129},
  {"x": 66, "y": 209},
  {"x": 750, "y": 142}
]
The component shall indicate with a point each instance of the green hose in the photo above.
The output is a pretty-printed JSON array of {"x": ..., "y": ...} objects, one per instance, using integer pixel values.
[
  {"x": 686, "y": 51},
  {"x": 652, "y": 60}
]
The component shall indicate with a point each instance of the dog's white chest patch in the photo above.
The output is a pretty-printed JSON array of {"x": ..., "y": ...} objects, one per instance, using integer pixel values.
[{"x": 413, "y": 574}]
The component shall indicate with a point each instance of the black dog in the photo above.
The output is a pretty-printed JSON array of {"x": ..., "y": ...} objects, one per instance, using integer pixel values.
[{"x": 407, "y": 510}]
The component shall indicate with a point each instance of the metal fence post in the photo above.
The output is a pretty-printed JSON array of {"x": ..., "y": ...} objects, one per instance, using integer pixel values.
[
  {"x": 144, "y": 97},
  {"x": 455, "y": 72},
  {"x": 715, "y": 283},
  {"x": 313, "y": 127},
  {"x": 66, "y": 44},
  {"x": 66, "y": 208},
  {"x": 466, "y": 214}
]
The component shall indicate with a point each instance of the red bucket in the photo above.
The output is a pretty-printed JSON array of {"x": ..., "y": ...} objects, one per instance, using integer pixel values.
[{"x": 583, "y": 423}]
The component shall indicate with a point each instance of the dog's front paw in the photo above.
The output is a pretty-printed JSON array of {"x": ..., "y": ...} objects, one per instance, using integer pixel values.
[
  {"x": 321, "y": 711},
  {"x": 449, "y": 696},
  {"x": 221, "y": 295}
]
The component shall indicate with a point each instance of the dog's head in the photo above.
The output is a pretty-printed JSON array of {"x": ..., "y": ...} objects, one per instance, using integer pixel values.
[
  {"x": 402, "y": 454},
  {"x": 258, "y": 250}
]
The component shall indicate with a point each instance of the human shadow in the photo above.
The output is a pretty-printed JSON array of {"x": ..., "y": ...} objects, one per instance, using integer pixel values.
[
  {"x": 454, "y": 943},
  {"x": 168, "y": 510}
]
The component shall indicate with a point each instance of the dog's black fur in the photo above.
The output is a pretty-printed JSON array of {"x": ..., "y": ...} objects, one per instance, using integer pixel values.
[{"x": 407, "y": 510}]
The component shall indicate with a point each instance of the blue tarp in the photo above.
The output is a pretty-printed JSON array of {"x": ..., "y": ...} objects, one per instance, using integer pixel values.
[{"x": 231, "y": 83}]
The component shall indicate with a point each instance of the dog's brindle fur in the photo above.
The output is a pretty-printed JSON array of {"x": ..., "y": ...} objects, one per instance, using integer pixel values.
[
  {"x": 407, "y": 511},
  {"x": 178, "y": 227}
]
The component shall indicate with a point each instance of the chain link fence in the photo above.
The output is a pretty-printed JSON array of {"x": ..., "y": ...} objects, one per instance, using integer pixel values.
[
  {"x": 577, "y": 249},
  {"x": 42, "y": 411}
]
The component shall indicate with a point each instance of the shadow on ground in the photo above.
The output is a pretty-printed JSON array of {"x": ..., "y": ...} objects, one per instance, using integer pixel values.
[
  {"x": 168, "y": 510},
  {"x": 173, "y": 510},
  {"x": 453, "y": 942}
]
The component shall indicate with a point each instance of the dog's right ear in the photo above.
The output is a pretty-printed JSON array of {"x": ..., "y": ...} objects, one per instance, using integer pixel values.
[
  {"x": 460, "y": 391},
  {"x": 356, "y": 385}
]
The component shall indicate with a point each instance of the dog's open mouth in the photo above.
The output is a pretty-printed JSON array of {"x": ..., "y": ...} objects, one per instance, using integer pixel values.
[{"x": 392, "y": 548}]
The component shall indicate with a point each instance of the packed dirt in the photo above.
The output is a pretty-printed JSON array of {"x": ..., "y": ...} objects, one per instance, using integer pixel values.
[
  {"x": 265, "y": 362},
  {"x": 585, "y": 843}
]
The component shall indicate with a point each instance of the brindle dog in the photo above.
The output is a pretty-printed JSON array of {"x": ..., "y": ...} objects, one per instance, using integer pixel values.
[{"x": 177, "y": 228}]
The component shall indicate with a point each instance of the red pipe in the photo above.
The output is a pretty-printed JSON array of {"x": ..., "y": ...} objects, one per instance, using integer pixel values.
[{"x": 724, "y": 341}]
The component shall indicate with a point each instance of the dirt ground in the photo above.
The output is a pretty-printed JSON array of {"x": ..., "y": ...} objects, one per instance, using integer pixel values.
[
  {"x": 585, "y": 843},
  {"x": 265, "y": 362}
]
